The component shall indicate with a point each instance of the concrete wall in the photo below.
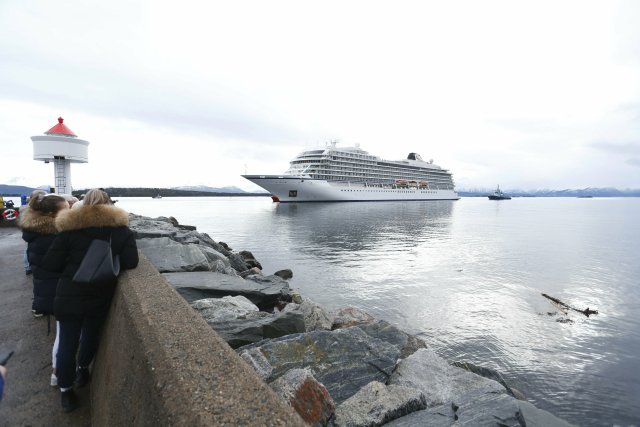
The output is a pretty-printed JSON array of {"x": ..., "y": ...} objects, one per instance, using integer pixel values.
[{"x": 159, "y": 363}]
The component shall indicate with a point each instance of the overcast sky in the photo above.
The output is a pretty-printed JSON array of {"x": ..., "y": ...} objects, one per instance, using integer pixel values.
[{"x": 539, "y": 94}]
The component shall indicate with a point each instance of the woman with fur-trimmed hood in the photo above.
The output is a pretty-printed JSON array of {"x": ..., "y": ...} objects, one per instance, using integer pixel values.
[
  {"x": 82, "y": 307},
  {"x": 37, "y": 222},
  {"x": 38, "y": 229}
]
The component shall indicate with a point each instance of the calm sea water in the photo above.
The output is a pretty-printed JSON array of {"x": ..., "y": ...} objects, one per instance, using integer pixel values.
[{"x": 468, "y": 276}]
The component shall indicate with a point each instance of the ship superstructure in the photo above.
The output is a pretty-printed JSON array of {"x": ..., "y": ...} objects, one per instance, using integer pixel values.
[{"x": 352, "y": 174}]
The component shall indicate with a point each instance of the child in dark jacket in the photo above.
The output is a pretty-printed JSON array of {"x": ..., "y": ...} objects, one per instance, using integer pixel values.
[{"x": 38, "y": 230}]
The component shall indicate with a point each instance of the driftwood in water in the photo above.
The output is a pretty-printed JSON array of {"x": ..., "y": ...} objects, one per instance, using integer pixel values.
[{"x": 587, "y": 311}]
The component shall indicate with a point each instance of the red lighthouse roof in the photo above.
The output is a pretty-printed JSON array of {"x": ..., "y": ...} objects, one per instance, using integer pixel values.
[{"x": 60, "y": 129}]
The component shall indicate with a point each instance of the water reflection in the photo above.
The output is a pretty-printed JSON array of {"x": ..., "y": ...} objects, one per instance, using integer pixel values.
[{"x": 363, "y": 226}]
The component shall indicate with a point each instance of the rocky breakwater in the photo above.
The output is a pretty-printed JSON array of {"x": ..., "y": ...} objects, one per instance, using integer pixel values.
[{"x": 341, "y": 368}]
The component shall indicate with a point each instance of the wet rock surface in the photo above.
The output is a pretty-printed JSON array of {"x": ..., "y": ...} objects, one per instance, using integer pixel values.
[
  {"x": 208, "y": 284},
  {"x": 343, "y": 360},
  {"x": 376, "y": 404}
]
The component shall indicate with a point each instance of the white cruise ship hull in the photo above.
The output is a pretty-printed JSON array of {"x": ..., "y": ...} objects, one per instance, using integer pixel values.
[{"x": 295, "y": 189}]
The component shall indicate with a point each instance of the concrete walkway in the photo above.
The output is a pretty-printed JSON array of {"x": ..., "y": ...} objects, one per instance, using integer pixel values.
[{"x": 28, "y": 398}]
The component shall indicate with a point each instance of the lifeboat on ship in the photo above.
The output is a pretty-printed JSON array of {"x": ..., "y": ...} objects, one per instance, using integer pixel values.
[{"x": 423, "y": 184}]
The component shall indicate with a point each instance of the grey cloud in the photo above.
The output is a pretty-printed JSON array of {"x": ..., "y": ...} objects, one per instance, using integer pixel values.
[
  {"x": 633, "y": 162},
  {"x": 622, "y": 148},
  {"x": 184, "y": 108}
]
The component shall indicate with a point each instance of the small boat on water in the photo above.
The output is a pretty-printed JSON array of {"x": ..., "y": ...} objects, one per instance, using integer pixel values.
[
  {"x": 158, "y": 196},
  {"x": 499, "y": 195}
]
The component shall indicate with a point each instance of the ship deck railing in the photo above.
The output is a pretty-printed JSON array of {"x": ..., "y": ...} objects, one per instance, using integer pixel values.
[{"x": 389, "y": 186}]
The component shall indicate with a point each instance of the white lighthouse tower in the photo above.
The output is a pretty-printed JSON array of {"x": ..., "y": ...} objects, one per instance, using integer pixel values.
[{"x": 62, "y": 147}]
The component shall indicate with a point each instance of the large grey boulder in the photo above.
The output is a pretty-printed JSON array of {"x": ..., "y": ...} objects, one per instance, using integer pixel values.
[
  {"x": 186, "y": 237},
  {"x": 217, "y": 261},
  {"x": 200, "y": 239},
  {"x": 207, "y": 240},
  {"x": 315, "y": 317},
  {"x": 491, "y": 374},
  {"x": 286, "y": 274},
  {"x": 376, "y": 404},
  {"x": 238, "y": 321},
  {"x": 250, "y": 272},
  {"x": 225, "y": 308},
  {"x": 258, "y": 327},
  {"x": 381, "y": 329},
  {"x": 238, "y": 262},
  {"x": 440, "y": 382},
  {"x": 455, "y": 395},
  {"x": 271, "y": 281},
  {"x": 250, "y": 260},
  {"x": 343, "y": 360},
  {"x": 209, "y": 284},
  {"x": 167, "y": 255},
  {"x": 350, "y": 316},
  {"x": 482, "y": 409},
  {"x": 145, "y": 227},
  {"x": 220, "y": 267},
  {"x": 535, "y": 417},
  {"x": 475, "y": 409}
]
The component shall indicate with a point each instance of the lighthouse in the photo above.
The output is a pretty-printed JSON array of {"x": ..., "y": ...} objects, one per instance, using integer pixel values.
[{"x": 62, "y": 147}]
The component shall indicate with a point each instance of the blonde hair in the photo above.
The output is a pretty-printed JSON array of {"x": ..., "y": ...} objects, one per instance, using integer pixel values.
[
  {"x": 96, "y": 196},
  {"x": 70, "y": 199}
]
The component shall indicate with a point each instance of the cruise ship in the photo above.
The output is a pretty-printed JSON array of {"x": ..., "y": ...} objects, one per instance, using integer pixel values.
[{"x": 350, "y": 174}]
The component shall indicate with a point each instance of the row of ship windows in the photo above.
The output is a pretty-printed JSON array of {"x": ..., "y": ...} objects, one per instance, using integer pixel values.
[
  {"x": 316, "y": 157},
  {"x": 393, "y": 191},
  {"x": 377, "y": 172},
  {"x": 359, "y": 165},
  {"x": 431, "y": 181},
  {"x": 401, "y": 171},
  {"x": 373, "y": 163}
]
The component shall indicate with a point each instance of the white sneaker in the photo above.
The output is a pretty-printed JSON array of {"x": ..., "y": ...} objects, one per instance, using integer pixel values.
[{"x": 54, "y": 380}]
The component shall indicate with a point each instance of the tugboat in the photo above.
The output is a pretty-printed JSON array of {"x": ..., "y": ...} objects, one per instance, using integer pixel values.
[{"x": 499, "y": 195}]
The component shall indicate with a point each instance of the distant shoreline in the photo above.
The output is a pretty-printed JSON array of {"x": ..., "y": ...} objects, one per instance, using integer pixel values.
[{"x": 168, "y": 192}]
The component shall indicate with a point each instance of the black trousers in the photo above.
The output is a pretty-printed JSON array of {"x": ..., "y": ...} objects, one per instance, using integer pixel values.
[{"x": 79, "y": 335}]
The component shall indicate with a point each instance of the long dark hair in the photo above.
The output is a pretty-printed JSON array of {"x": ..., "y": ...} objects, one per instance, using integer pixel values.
[{"x": 46, "y": 203}]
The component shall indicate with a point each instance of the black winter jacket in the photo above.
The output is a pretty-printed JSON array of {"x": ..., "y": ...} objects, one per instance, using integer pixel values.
[
  {"x": 38, "y": 230},
  {"x": 77, "y": 228}
]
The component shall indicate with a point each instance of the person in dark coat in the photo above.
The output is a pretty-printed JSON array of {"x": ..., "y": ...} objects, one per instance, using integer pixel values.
[
  {"x": 82, "y": 307},
  {"x": 38, "y": 230},
  {"x": 24, "y": 210}
]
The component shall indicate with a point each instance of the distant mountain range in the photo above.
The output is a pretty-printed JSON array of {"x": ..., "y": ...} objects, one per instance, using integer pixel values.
[
  {"x": 201, "y": 190},
  {"x": 581, "y": 192},
  {"x": 17, "y": 190}
]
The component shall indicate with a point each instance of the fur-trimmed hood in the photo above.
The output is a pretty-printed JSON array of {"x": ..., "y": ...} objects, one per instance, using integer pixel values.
[
  {"x": 37, "y": 222},
  {"x": 91, "y": 216}
]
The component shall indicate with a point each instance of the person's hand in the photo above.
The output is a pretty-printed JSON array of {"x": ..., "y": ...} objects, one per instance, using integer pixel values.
[{"x": 3, "y": 371}]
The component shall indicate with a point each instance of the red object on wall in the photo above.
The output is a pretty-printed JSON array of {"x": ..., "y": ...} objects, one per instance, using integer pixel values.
[{"x": 60, "y": 129}]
